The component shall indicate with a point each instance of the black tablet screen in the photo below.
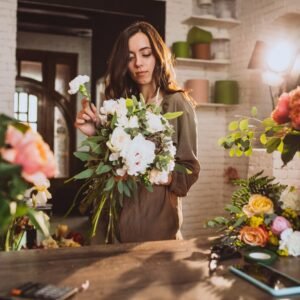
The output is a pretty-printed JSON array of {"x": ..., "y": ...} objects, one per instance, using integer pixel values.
[{"x": 268, "y": 277}]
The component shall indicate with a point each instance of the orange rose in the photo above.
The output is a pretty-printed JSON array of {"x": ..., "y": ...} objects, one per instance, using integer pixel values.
[{"x": 254, "y": 236}]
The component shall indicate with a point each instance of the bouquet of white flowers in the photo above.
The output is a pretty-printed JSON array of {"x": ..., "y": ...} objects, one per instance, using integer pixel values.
[{"x": 133, "y": 145}]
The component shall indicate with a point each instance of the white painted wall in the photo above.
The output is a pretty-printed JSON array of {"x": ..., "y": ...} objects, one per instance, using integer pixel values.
[{"x": 8, "y": 27}]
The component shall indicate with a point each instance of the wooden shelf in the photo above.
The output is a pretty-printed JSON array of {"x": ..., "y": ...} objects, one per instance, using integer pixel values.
[
  {"x": 211, "y": 21},
  {"x": 221, "y": 105},
  {"x": 196, "y": 62}
]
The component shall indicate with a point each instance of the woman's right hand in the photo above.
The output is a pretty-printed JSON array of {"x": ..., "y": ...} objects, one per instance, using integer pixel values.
[{"x": 87, "y": 118}]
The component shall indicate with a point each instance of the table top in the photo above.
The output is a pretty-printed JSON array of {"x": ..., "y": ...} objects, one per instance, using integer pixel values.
[{"x": 151, "y": 270}]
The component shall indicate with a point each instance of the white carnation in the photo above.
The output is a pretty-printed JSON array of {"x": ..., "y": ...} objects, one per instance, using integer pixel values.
[
  {"x": 119, "y": 139},
  {"x": 138, "y": 155},
  {"x": 290, "y": 199},
  {"x": 109, "y": 107},
  {"x": 154, "y": 122},
  {"x": 133, "y": 122},
  {"x": 290, "y": 240},
  {"x": 77, "y": 82}
]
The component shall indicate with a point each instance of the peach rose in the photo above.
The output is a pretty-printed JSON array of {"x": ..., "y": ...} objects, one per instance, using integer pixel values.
[
  {"x": 31, "y": 152},
  {"x": 254, "y": 236},
  {"x": 281, "y": 113},
  {"x": 258, "y": 204}
]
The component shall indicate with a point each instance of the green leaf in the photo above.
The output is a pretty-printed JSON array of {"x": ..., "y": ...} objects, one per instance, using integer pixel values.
[
  {"x": 280, "y": 147},
  {"x": 234, "y": 125},
  {"x": 172, "y": 115},
  {"x": 253, "y": 111},
  {"x": 126, "y": 190},
  {"x": 120, "y": 186},
  {"x": 244, "y": 124},
  {"x": 232, "y": 208},
  {"x": 7, "y": 169},
  {"x": 83, "y": 156},
  {"x": 232, "y": 152},
  {"x": 263, "y": 138},
  {"x": 221, "y": 220},
  {"x": 272, "y": 144},
  {"x": 249, "y": 151},
  {"x": 102, "y": 169},
  {"x": 109, "y": 184},
  {"x": 84, "y": 174},
  {"x": 221, "y": 141},
  {"x": 268, "y": 122},
  {"x": 182, "y": 169},
  {"x": 240, "y": 221}
]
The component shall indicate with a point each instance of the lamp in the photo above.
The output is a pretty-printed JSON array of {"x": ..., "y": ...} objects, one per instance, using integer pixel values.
[{"x": 275, "y": 62}]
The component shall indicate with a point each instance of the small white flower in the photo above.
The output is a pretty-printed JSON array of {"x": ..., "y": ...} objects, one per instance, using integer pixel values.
[
  {"x": 121, "y": 171},
  {"x": 290, "y": 199},
  {"x": 290, "y": 240},
  {"x": 77, "y": 82},
  {"x": 158, "y": 177},
  {"x": 154, "y": 122},
  {"x": 138, "y": 155},
  {"x": 13, "y": 207},
  {"x": 38, "y": 195},
  {"x": 109, "y": 107},
  {"x": 133, "y": 122},
  {"x": 119, "y": 139},
  {"x": 114, "y": 156}
]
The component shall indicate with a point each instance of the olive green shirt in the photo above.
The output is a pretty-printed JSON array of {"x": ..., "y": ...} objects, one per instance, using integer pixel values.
[{"x": 157, "y": 215}]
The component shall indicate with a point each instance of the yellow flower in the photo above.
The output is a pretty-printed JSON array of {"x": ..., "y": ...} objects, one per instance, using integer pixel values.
[
  {"x": 230, "y": 228},
  {"x": 256, "y": 221},
  {"x": 258, "y": 204},
  {"x": 290, "y": 213},
  {"x": 283, "y": 252},
  {"x": 273, "y": 239}
]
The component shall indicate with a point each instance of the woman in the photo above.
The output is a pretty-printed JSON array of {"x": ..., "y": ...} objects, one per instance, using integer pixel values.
[{"x": 141, "y": 63}]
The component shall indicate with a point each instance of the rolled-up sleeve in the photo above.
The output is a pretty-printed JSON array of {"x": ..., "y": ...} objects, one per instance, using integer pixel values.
[{"x": 185, "y": 141}]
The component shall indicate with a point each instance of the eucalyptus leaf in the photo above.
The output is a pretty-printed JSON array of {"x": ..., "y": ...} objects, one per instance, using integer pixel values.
[
  {"x": 109, "y": 184},
  {"x": 120, "y": 187},
  {"x": 83, "y": 156},
  {"x": 102, "y": 169}
]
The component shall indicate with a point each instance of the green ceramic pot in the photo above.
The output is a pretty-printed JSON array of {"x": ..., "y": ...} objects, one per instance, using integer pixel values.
[
  {"x": 181, "y": 49},
  {"x": 197, "y": 35},
  {"x": 226, "y": 92}
]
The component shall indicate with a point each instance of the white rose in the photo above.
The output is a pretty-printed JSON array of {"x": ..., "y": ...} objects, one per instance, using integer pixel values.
[
  {"x": 77, "y": 82},
  {"x": 290, "y": 199},
  {"x": 158, "y": 177},
  {"x": 171, "y": 148},
  {"x": 290, "y": 240},
  {"x": 154, "y": 122},
  {"x": 138, "y": 154},
  {"x": 119, "y": 139}
]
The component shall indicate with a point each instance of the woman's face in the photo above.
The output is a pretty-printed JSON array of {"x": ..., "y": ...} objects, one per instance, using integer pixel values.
[{"x": 141, "y": 61}]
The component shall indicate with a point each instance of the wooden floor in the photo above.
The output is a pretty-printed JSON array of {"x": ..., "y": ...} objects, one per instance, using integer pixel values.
[{"x": 152, "y": 270}]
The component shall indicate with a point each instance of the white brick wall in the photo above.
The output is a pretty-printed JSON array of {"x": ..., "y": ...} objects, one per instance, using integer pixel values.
[
  {"x": 59, "y": 43},
  {"x": 8, "y": 27}
]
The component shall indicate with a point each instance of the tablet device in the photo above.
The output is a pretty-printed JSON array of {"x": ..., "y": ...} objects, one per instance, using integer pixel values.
[{"x": 268, "y": 279}]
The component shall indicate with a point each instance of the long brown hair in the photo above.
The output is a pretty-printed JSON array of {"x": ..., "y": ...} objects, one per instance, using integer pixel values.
[{"x": 117, "y": 79}]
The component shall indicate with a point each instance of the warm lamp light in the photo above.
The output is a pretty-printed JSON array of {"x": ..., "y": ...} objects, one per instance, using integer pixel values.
[
  {"x": 275, "y": 62},
  {"x": 281, "y": 57}
]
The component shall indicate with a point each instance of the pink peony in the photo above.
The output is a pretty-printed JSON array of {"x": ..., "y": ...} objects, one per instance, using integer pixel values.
[
  {"x": 31, "y": 152},
  {"x": 280, "y": 224},
  {"x": 281, "y": 113}
]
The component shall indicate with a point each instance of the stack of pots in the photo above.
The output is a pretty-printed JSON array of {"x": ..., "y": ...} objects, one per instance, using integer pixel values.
[{"x": 200, "y": 42}]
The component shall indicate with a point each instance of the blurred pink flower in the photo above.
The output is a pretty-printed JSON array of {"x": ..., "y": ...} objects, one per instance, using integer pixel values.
[
  {"x": 31, "y": 152},
  {"x": 281, "y": 113},
  {"x": 280, "y": 224}
]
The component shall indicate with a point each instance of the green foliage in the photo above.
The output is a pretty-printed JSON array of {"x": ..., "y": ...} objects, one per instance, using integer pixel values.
[
  {"x": 244, "y": 131},
  {"x": 256, "y": 184}
]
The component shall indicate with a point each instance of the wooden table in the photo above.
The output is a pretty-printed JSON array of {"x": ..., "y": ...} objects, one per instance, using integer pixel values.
[{"x": 152, "y": 270}]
